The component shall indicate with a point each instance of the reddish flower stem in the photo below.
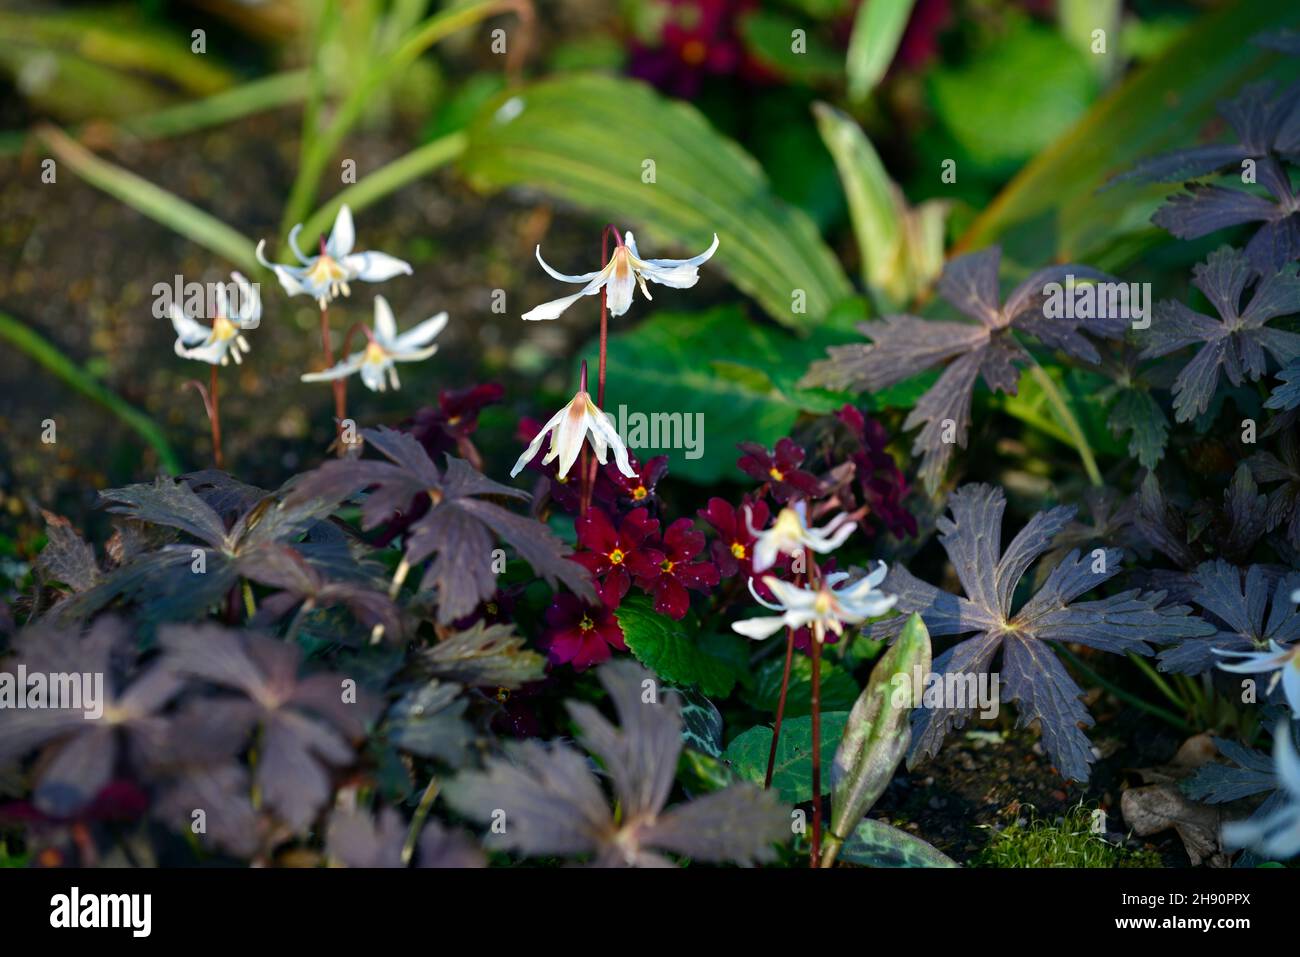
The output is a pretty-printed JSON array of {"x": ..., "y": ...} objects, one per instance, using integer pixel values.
[
  {"x": 215, "y": 417},
  {"x": 815, "y": 581},
  {"x": 340, "y": 387},
  {"x": 588, "y": 465},
  {"x": 780, "y": 706}
]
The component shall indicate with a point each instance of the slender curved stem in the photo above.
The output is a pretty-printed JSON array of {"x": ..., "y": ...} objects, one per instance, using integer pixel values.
[
  {"x": 1068, "y": 421},
  {"x": 418, "y": 818},
  {"x": 780, "y": 706}
]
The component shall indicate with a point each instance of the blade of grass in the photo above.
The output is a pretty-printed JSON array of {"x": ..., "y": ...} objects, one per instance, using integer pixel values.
[
  {"x": 320, "y": 148},
  {"x": 388, "y": 179},
  {"x": 154, "y": 201},
  {"x": 36, "y": 346},
  {"x": 1065, "y": 416},
  {"x": 1119, "y": 692}
]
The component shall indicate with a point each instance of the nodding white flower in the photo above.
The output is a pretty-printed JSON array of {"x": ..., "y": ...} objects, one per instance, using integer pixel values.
[
  {"x": 569, "y": 427},
  {"x": 828, "y": 608},
  {"x": 625, "y": 270},
  {"x": 1276, "y": 834},
  {"x": 326, "y": 275},
  {"x": 791, "y": 533},
  {"x": 219, "y": 343},
  {"x": 376, "y": 362},
  {"x": 1285, "y": 661}
]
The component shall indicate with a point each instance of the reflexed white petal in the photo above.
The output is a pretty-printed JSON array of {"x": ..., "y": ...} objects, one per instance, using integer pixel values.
[
  {"x": 385, "y": 324},
  {"x": 669, "y": 264},
  {"x": 188, "y": 331},
  {"x": 421, "y": 334},
  {"x": 630, "y": 242},
  {"x": 564, "y": 277},
  {"x": 761, "y": 600},
  {"x": 214, "y": 353},
  {"x": 374, "y": 266},
  {"x": 567, "y": 439},
  {"x": 554, "y": 308},
  {"x": 758, "y": 628},
  {"x": 765, "y": 552},
  {"x": 876, "y": 577},
  {"x": 618, "y": 290},
  {"x": 339, "y": 370},
  {"x": 536, "y": 443},
  {"x": 413, "y": 355},
  {"x": 819, "y": 542},
  {"x": 869, "y": 606},
  {"x": 343, "y": 236},
  {"x": 602, "y": 424},
  {"x": 293, "y": 244},
  {"x": 248, "y": 310},
  {"x": 294, "y": 281},
  {"x": 789, "y": 595}
]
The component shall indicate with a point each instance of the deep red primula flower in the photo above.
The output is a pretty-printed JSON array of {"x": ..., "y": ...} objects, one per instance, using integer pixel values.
[
  {"x": 779, "y": 469},
  {"x": 732, "y": 550},
  {"x": 616, "y": 490},
  {"x": 677, "y": 572},
  {"x": 617, "y": 555},
  {"x": 880, "y": 481},
  {"x": 579, "y": 634}
]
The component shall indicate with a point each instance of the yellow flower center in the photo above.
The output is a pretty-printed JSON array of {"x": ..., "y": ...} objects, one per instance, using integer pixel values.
[
  {"x": 737, "y": 550},
  {"x": 787, "y": 525},
  {"x": 586, "y": 624},
  {"x": 223, "y": 329},
  {"x": 375, "y": 353},
  {"x": 326, "y": 270},
  {"x": 776, "y": 474},
  {"x": 616, "y": 556},
  {"x": 639, "y": 492},
  {"x": 667, "y": 565},
  {"x": 825, "y": 603}
]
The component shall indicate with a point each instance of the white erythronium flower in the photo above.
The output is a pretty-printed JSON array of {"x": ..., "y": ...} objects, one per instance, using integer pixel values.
[
  {"x": 219, "y": 343},
  {"x": 828, "y": 608},
  {"x": 326, "y": 275},
  {"x": 625, "y": 270},
  {"x": 1277, "y": 834},
  {"x": 386, "y": 348},
  {"x": 569, "y": 427},
  {"x": 791, "y": 533},
  {"x": 1285, "y": 661}
]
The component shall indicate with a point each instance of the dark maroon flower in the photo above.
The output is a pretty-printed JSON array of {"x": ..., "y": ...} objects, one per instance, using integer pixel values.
[
  {"x": 699, "y": 39},
  {"x": 676, "y": 572},
  {"x": 880, "y": 480},
  {"x": 580, "y": 634},
  {"x": 448, "y": 427},
  {"x": 616, "y": 490},
  {"x": 920, "y": 41},
  {"x": 618, "y": 555},
  {"x": 779, "y": 469},
  {"x": 732, "y": 549}
]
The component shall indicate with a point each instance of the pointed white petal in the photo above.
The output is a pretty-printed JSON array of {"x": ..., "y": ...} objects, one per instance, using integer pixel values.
[
  {"x": 554, "y": 308},
  {"x": 343, "y": 236},
  {"x": 188, "y": 331},
  {"x": 564, "y": 277},
  {"x": 374, "y": 266},
  {"x": 340, "y": 370},
  {"x": 758, "y": 628},
  {"x": 385, "y": 324},
  {"x": 619, "y": 290},
  {"x": 422, "y": 334}
]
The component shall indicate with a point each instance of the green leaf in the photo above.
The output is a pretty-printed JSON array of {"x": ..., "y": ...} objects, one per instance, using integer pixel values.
[
  {"x": 1052, "y": 211},
  {"x": 1082, "y": 393},
  {"x": 671, "y": 650},
  {"x": 838, "y": 689},
  {"x": 767, "y": 35},
  {"x": 792, "y": 773},
  {"x": 877, "y": 844},
  {"x": 35, "y": 346},
  {"x": 1137, "y": 412},
  {"x": 586, "y": 139},
  {"x": 153, "y": 201},
  {"x": 901, "y": 248},
  {"x": 738, "y": 375},
  {"x": 1013, "y": 99},
  {"x": 701, "y": 723},
  {"x": 877, "y": 29},
  {"x": 877, "y": 733}
]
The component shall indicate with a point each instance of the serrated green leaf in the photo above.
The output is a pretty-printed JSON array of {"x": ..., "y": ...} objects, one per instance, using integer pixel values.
[
  {"x": 877, "y": 844},
  {"x": 1137, "y": 412},
  {"x": 838, "y": 689},
  {"x": 586, "y": 138},
  {"x": 878, "y": 731},
  {"x": 792, "y": 773},
  {"x": 671, "y": 649}
]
